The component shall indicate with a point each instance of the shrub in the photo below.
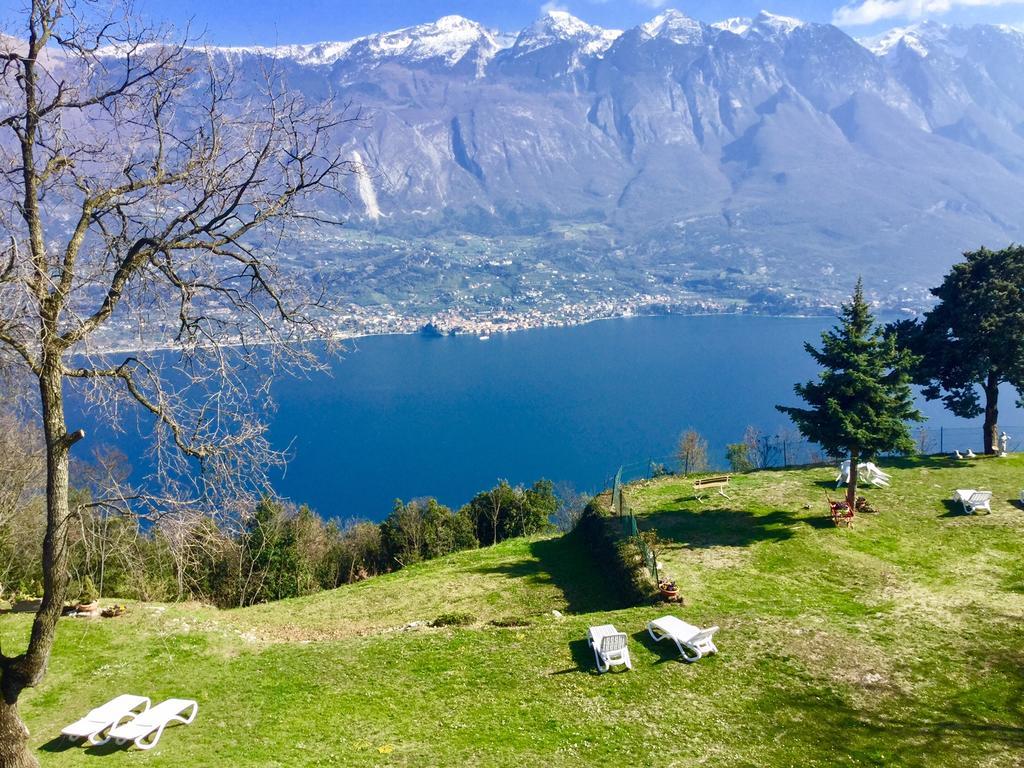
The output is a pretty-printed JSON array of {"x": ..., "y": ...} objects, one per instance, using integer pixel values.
[
  {"x": 510, "y": 621},
  {"x": 422, "y": 530},
  {"x": 504, "y": 511},
  {"x": 620, "y": 558},
  {"x": 456, "y": 619},
  {"x": 738, "y": 456},
  {"x": 88, "y": 592}
]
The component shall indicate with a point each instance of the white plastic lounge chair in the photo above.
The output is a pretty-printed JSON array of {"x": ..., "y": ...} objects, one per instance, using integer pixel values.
[
  {"x": 867, "y": 471},
  {"x": 973, "y": 500},
  {"x": 146, "y": 729},
  {"x": 609, "y": 647},
  {"x": 693, "y": 642},
  {"x": 971, "y": 454},
  {"x": 844, "y": 473},
  {"x": 958, "y": 454},
  {"x": 875, "y": 475},
  {"x": 93, "y": 725}
]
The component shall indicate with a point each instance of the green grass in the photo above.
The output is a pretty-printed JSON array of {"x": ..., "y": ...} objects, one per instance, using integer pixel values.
[{"x": 895, "y": 643}]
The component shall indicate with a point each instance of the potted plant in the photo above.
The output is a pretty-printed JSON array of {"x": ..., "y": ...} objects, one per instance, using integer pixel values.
[
  {"x": 669, "y": 590},
  {"x": 88, "y": 600}
]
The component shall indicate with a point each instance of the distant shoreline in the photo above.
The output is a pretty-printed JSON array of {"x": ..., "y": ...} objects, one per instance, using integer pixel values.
[{"x": 355, "y": 336}]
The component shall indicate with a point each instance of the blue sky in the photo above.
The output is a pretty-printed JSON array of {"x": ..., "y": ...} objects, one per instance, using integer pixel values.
[{"x": 269, "y": 22}]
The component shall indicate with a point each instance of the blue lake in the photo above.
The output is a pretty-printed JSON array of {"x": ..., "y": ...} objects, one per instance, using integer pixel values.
[{"x": 409, "y": 416}]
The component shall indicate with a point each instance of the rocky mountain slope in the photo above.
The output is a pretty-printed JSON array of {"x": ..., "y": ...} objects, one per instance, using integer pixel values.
[{"x": 762, "y": 153}]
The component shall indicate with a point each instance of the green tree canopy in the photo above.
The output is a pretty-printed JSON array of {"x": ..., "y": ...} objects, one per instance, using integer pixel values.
[
  {"x": 861, "y": 402},
  {"x": 504, "y": 512},
  {"x": 973, "y": 339}
]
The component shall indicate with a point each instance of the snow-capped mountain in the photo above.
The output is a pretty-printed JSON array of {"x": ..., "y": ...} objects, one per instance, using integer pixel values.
[
  {"x": 675, "y": 27},
  {"x": 758, "y": 146},
  {"x": 447, "y": 41},
  {"x": 557, "y": 27},
  {"x": 555, "y": 45}
]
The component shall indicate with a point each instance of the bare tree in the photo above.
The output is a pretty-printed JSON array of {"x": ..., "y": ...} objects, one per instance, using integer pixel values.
[
  {"x": 21, "y": 484},
  {"x": 788, "y": 440},
  {"x": 761, "y": 449},
  {"x": 139, "y": 192},
  {"x": 22, "y": 470},
  {"x": 571, "y": 504},
  {"x": 692, "y": 452}
]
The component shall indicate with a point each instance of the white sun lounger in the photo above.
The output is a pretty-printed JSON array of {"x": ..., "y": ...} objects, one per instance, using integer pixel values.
[
  {"x": 973, "y": 500},
  {"x": 868, "y": 472},
  {"x": 609, "y": 647},
  {"x": 692, "y": 642},
  {"x": 146, "y": 729},
  {"x": 92, "y": 726}
]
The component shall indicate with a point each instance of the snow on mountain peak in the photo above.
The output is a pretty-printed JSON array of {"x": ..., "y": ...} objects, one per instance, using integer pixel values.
[
  {"x": 449, "y": 38},
  {"x": 922, "y": 38},
  {"x": 738, "y": 25},
  {"x": 783, "y": 24},
  {"x": 566, "y": 23},
  {"x": 558, "y": 26},
  {"x": 675, "y": 26},
  {"x": 883, "y": 44}
]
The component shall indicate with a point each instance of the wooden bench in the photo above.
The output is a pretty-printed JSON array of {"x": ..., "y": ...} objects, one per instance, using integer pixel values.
[{"x": 704, "y": 483}]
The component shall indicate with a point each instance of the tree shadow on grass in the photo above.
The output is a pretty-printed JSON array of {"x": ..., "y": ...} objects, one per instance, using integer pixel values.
[
  {"x": 933, "y": 461},
  {"x": 719, "y": 527},
  {"x": 905, "y": 741},
  {"x": 929, "y": 737},
  {"x": 567, "y": 563}
]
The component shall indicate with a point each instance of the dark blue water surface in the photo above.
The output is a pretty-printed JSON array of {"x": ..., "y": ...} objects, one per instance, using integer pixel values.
[{"x": 408, "y": 416}]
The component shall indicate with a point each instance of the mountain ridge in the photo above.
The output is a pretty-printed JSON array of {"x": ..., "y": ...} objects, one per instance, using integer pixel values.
[{"x": 680, "y": 157}]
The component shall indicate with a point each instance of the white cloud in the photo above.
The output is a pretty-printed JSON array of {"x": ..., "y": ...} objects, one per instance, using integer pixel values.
[
  {"x": 553, "y": 5},
  {"x": 869, "y": 11}
]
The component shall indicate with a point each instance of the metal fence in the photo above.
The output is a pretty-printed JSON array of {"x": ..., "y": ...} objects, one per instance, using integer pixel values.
[
  {"x": 950, "y": 439},
  {"x": 782, "y": 451},
  {"x": 629, "y": 527}
]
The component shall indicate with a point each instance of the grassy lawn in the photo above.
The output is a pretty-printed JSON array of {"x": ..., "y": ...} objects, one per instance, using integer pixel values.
[{"x": 898, "y": 642}]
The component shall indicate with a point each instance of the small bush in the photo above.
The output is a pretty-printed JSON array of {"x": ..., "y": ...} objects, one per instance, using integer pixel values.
[
  {"x": 453, "y": 620},
  {"x": 510, "y": 621},
  {"x": 88, "y": 592},
  {"x": 739, "y": 458}
]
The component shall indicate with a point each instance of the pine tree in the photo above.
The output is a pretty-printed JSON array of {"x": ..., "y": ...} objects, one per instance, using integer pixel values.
[
  {"x": 973, "y": 339},
  {"x": 861, "y": 402}
]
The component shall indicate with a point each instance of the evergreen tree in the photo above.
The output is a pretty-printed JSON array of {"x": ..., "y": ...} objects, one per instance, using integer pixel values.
[
  {"x": 861, "y": 402},
  {"x": 973, "y": 339}
]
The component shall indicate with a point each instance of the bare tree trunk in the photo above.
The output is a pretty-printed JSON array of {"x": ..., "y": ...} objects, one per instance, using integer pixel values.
[
  {"x": 991, "y": 413},
  {"x": 14, "y": 752},
  {"x": 27, "y": 670},
  {"x": 851, "y": 487}
]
